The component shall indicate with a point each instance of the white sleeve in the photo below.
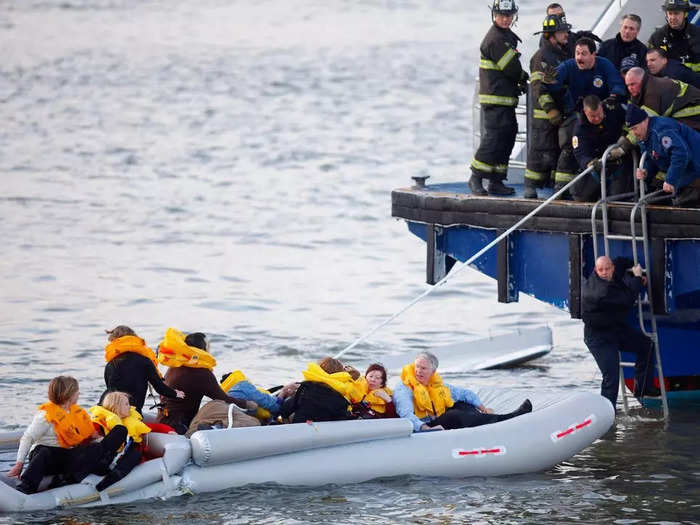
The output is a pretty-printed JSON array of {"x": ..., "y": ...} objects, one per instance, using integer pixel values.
[{"x": 35, "y": 431}]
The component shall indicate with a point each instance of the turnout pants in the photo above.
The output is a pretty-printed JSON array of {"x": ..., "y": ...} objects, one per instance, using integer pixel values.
[
  {"x": 605, "y": 345},
  {"x": 542, "y": 153},
  {"x": 499, "y": 130},
  {"x": 566, "y": 164}
]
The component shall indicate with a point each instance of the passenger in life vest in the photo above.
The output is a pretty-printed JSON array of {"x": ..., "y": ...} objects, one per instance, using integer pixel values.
[
  {"x": 673, "y": 152},
  {"x": 115, "y": 410},
  {"x": 659, "y": 65},
  {"x": 664, "y": 97},
  {"x": 131, "y": 366},
  {"x": 430, "y": 404},
  {"x": 586, "y": 74},
  {"x": 501, "y": 81},
  {"x": 679, "y": 37},
  {"x": 324, "y": 395},
  {"x": 59, "y": 442},
  {"x": 546, "y": 110},
  {"x": 190, "y": 370},
  {"x": 236, "y": 384},
  {"x": 376, "y": 399}
]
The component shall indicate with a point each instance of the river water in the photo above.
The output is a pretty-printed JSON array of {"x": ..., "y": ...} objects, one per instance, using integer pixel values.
[{"x": 226, "y": 167}]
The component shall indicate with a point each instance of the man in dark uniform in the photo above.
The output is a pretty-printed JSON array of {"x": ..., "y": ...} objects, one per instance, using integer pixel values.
[
  {"x": 660, "y": 66},
  {"x": 595, "y": 130},
  {"x": 679, "y": 38},
  {"x": 625, "y": 51},
  {"x": 501, "y": 81},
  {"x": 546, "y": 115},
  {"x": 586, "y": 74},
  {"x": 607, "y": 298},
  {"x": 664, "y": 97}
]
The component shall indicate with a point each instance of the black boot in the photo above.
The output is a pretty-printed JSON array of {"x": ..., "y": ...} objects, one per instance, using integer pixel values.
[
  {"x": 530, "y": 191},
  {"x": 524, "y": 408},
  {"x": 496, "y": 187},
  {"x": 475, "y": 186},
  {"x": 111, "y": 478}
]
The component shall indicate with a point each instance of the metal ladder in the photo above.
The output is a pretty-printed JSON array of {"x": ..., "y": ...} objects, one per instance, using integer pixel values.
[{"x": 641, "y": 207}]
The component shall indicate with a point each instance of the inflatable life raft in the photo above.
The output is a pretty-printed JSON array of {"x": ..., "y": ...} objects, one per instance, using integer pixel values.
[{"x": 560, "y": 426}]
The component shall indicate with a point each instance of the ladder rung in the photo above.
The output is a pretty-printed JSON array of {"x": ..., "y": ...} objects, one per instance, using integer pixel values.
[{"x": 621, "y": 237}]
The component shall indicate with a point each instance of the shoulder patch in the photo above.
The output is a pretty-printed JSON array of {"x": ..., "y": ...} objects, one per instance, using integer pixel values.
[
  {"x": 666, "y": 142},
  {"x": 574, "y": 141}
]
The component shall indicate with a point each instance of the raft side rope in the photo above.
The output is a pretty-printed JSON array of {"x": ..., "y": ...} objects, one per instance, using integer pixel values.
[{"x": 466, "y": 263}]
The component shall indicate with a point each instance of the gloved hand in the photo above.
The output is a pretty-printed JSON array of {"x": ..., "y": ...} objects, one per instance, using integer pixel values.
[
  {"x": 624, "y": 143},
  {"x": 616, "y": 153},
  {"x": 597, "y": 165},
  {"x": 611, "y": 102},
  {"x": 554, "y": 116},
  {"x": 549, "y": 73},
  {"x": 524, "y": 77}
]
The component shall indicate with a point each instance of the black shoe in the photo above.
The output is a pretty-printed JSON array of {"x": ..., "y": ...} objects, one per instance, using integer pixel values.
[
  {"x": 111, "y": 478},
  {"x": 496, "y": 187},
  {"x": 525, "y": 407},
  {"x": 25, "y": 488},
  {"x": 475, "y": 186},
  {"x": 530, "y": 192},
  {"x": 564, "y": 196}
]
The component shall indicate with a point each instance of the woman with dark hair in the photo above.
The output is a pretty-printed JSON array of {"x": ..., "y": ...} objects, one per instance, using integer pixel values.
[
  {"x": 191, "y": 370},
  {"x": 376, "y": 400},
  {"x": 131, "y": 366}
]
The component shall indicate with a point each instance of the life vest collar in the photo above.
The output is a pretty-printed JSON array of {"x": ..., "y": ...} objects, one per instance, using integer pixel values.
[
  {"x": 428, "y": 400},
  {"x": 174, "y": 352},
  {"x": 107, "y": 419},
  {"x": 341, "y": 382},
  {"x": 133, "y": 344}
]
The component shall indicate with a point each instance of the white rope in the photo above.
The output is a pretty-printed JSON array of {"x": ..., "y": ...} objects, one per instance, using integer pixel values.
[{"x": 466, "y": 263}]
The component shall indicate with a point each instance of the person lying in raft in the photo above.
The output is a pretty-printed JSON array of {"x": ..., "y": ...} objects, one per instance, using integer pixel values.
[
  {"x": 59, "y": 441},
  {"x": 376, "y": 399},
  {"x": 236, "y": 384},
  {"x": 131, "y": 366},
  {"x": 324, "y": 395},
  {"x": 115, "y": 410},
  {"x": 430, "y": 404},
  {"x": 190, "y": 370}
]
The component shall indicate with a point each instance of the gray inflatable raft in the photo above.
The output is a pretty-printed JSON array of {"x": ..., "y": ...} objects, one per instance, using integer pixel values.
[{"x": 559, "y": 427}]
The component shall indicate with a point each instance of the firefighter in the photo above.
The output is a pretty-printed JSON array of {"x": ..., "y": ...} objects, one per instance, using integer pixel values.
[
  {"x": 502, "y": 80},
  {"x": 546, "y": 113},
  {"x": 679, "y": 38},
  {"x": 664, "y": 97},
  {"x": 557, "y": 9},
  {"x": 595, "y": 130}
]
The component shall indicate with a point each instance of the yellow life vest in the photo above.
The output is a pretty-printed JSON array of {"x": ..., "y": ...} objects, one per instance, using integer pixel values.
[
  {"x": 374, "y": 402},
  {"x": 133, "y": 344},
  {"x": 72, "y": 427},
  {"x": 430, "y": 400},
  {"x": 174, "y": 352},
  {"x": 341, "y": 382},
  {"x": 236, "y": 377},
  {"x": 107, "y": 419}
]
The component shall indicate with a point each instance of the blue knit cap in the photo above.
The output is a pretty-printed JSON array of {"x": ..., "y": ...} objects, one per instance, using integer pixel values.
[{"x": 634, "y": 115}]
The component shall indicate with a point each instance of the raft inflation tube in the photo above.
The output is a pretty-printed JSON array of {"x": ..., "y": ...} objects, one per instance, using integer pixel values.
[{"x": 154, "y": 478}]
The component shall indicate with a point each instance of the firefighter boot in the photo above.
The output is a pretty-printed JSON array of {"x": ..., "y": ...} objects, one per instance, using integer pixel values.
[
  {"x": 530, "y": 190},
  {"x": 475, "y": 185},
  {"x": 496, "y": 187}
]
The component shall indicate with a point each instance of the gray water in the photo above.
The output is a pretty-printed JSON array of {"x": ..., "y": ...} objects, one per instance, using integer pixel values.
[{"x": 226, "y": 166}]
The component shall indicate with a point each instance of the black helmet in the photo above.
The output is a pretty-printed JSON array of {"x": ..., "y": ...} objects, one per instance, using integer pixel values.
[
  {"x": 676, "y": 5},
  {"x": 504, "y": 7},
  {"x": 554, "y": 23}
]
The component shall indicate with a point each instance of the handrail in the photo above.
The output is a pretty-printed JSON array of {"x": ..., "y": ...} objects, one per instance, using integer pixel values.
[{"x": 471, "y": 259}]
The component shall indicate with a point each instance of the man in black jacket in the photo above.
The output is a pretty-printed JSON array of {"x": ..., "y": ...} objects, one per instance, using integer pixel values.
[
  {"x": 660, "y": 65},
  {"x": 608, "y": 296},
  {"x": 625, "y": 50},
  {"x": 501, "y": 81}
]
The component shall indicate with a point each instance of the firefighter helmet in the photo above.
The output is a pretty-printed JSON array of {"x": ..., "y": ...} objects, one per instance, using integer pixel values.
[
  {"x": 554, "y": 23},
  {"x": 676, "y": 5},
  {"x": 504, "y": 7}
]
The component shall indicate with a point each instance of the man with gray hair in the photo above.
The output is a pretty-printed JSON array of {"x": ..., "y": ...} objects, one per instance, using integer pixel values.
[
  {"x": 625, "y": 50},
  {"x": 664, "y": 97},
  {"x": 430, "y": 404}
]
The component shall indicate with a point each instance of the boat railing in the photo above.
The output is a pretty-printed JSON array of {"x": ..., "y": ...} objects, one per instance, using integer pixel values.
[{"x": 640, "y": 208}]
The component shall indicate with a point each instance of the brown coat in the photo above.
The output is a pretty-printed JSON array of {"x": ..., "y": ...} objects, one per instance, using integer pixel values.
[
  {"x": 669, "y": 98},
  {"x": 216, "y": 413}
]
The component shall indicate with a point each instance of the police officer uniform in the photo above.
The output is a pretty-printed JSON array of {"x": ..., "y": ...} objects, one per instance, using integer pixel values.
[
  {"x": 545, "y": 111},
  {"x": 683, "y": 44},
  {"x": 589, "y": 143},
  {"x": 501, "y": 81}
]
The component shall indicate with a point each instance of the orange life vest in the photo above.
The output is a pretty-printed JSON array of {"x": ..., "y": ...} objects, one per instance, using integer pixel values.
[
  {"x": 174, "y": 352},
  {"x": 72, "y": 427},
  {"x": 428, "y": 400},
  {"x": 133, "y": 344}
]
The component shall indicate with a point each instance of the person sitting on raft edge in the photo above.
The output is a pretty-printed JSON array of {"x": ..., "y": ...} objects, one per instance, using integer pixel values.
[{"x": 430, "y": 404}]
